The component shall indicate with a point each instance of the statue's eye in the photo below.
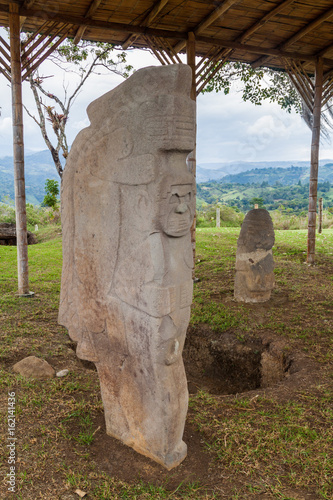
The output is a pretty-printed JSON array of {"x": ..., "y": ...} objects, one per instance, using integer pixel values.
[
  {"x": 174, "y": 198},
  {"x": 188, "y": 197}
]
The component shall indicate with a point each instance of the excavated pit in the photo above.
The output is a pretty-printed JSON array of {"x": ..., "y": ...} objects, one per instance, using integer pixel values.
[{"x": 225, "y": 364}]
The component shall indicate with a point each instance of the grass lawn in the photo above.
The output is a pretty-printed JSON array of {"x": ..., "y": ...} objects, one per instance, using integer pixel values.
[{"x": 269, "y": 441}]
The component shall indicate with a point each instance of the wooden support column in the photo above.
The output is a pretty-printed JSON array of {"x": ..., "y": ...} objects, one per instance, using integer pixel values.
[
  {"x": 190, "y": 53},
  {"x": 18, "y": 147},
  {"x": 320, "y": 226},
  {"x": 314, "y": 162}
]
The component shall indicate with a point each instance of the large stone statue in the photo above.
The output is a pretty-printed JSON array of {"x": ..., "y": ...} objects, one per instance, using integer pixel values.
[
  {"x": 254, "y": 278},
  {"x": 128, "y": 202}
]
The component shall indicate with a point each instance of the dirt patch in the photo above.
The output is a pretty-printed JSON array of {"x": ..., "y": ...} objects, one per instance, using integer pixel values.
[
  {"x": 118, "y": 460},
  {"x": 226, "y": 364}
]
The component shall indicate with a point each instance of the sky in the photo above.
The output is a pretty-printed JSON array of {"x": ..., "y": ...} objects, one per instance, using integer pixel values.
[{"x": 228, "y": 129}]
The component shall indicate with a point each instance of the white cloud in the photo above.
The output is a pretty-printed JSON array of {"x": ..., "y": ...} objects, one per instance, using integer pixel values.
[{"x": 228, "y": 128}]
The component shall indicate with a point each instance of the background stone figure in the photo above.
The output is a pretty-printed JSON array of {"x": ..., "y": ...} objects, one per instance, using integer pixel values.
[
  {"x": 128, "y": 202},
  {"x": 254, "y": 278}
]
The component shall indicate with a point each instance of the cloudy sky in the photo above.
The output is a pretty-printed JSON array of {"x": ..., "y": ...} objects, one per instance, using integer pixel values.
[{"x": 228, "y": 128}]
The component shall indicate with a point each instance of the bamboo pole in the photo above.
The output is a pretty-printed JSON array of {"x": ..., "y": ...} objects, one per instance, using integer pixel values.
[
  {"x": 314, "y": 162},
  {"x": 190, "y": 55},
  {"x": 320, "y": 227},
  {"x": 18, "y": 146}
]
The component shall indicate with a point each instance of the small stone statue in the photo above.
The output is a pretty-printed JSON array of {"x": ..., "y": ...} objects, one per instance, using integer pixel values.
[
  {"x": 128, "y": 202},
  {"x": 254, "y": 279}
]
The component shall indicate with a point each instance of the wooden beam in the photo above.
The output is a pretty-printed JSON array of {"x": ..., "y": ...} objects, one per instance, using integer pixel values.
[
  {"x": 261, "y": 50},
  {"x": 172, "y": 35},
  {"x": 27, "y": 4},
  {"x": 4, "y": 43},
  {"x": 210, "y": 19},
  {"x": 157, "y": 7},
  {"x": 211, "y": 64},
  {"x": 309, "y": 27},
  {"x": 54, "y": 26},
  {"x": 304, "y": 80},
  {"x": 148, "y": 19},
  {"x": 208, "y": 56},
  {"x": 156, "y": 53},
  {"x": 190, "y": 56},
  {"x": 94, "y": 23},
  {"x": 5, "y": 65},
  {"x": 79, "y": 34},
  {"x": 213, "y": 73},
  {"x": 19, "y": 180},
  {"x": 90, "y": 12},
  {"x": 5, "y": 74},
  {"x": 328, "y": 94},
  {"x": 5, "y": 53},
  {"x": 307, "y": 99},
  {"x": 160, "y": 49},
  {"x": 32, "y": 37},
  {"x": 297, "y": 36},
  {"x": 314, "y": 163},
  {"x": 325, "y": 50},
  {"x": 44, "y": 56},
  {"x": 249, "y": 32},
  {"x": 205, "y": 62}
]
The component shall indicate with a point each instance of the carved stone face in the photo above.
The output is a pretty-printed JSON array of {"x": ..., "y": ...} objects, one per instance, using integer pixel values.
[{"x": 177, "y": 210}]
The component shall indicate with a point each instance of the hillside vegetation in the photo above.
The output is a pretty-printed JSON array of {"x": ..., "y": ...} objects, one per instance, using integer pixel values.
[
  {"x": 38, "y": 168},
  {"x": 273, "y": 188}
]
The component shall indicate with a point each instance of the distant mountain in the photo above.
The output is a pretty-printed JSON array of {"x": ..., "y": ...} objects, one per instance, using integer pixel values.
[
  {"x": 275, "y": 187},
  {"x": 38, "y": 167},
  {"x": 215, "y": 171},
  {"x": 285, "y": 176}
]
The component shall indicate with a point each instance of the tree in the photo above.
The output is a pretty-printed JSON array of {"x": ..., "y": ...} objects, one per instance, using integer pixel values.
[
  {"x": 52, "y": 191},
  {"x": 53, "y": 112},
  {"x": 257, "y": 201},
  {"x": 257, "y": 85},
  {"x": 266, "y": 84}
]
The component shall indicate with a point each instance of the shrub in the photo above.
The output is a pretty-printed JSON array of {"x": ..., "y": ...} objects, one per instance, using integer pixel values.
[{"x": 229, "y": 216}]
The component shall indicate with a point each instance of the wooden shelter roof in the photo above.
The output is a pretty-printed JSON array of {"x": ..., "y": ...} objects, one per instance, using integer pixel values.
[{"x": 261, "y": 32}]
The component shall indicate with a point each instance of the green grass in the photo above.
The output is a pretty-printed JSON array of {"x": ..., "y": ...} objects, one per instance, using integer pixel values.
[
  {"x": 276, "y": 443},
  {"x": 256, "y": 444}
]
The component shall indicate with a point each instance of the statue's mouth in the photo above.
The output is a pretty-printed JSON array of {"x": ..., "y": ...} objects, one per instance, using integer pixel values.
[{"x": 179, "y": 223}]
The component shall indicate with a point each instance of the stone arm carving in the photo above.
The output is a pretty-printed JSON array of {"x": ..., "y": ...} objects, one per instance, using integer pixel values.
[{"x": 139, "y": 277}]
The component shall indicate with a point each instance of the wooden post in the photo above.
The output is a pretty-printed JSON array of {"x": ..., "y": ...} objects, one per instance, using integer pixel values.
[
  {"x": 190, "y": 53},
  {"x": 218, "y": 217},
  {"x": 320, "y": 228},
  {"x": 314, "y": 162},
  {"x": 18, "y": 147}
]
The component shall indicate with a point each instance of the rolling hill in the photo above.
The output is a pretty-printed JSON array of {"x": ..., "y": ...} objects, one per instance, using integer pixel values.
[{"x": 38, "y": 167}]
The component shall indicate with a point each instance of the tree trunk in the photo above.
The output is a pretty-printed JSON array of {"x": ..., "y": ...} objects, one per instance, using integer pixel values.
[{"x": 314, "y": 162}]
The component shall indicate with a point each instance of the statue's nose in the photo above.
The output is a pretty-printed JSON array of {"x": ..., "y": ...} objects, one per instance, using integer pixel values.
[{"x": 181, "y": 208}]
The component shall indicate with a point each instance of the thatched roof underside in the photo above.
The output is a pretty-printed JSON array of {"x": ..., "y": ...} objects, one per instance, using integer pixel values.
[{"x": 260, "y": 32}]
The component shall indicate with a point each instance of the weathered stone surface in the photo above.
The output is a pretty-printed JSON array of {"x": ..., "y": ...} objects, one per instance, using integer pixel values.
[
  {"x": 128, "y": 201},
  {"x": 32, "y": 367},
  {"x": 8, "y": 235},
  {"x": 254, "y": 278}
]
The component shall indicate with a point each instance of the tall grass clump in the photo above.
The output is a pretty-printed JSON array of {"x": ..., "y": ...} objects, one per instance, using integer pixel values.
[
  {"x": 36, "y": 214},
  {"x": 291, "y": 221}
]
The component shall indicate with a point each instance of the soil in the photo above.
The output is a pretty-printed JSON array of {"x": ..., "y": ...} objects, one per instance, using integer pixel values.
[{"x": 232, "y": 364}]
